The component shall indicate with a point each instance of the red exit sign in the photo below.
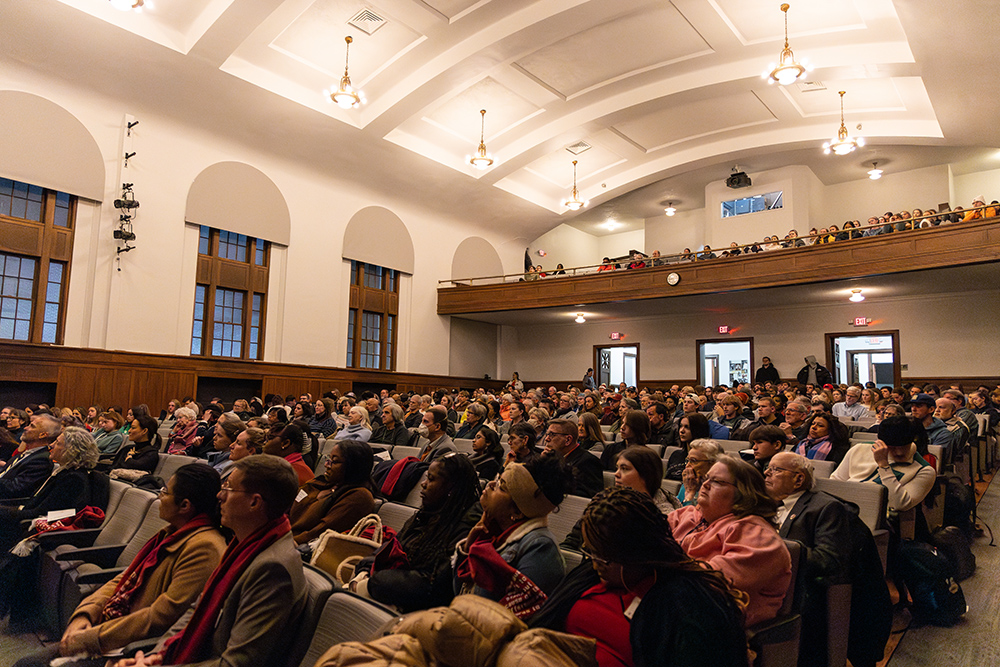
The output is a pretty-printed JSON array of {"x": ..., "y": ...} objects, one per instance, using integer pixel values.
[
  {"x": 861, "y": 321},
  {"x": 724, "y": 329},
  {"x": 615, "y": 335}
]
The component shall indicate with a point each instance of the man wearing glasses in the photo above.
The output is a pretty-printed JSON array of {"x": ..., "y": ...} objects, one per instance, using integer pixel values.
[
  {"x": 821, "y": 523},
  {"x": 588, "y": 473}
]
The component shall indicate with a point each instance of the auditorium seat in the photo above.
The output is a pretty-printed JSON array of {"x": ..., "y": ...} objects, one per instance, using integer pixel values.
[
  {"x": 572, "y": 558},
  {"x": 395, "y": 515},
  {"x": 413, "y": 498},
  {"x": 776, "y": 642},
  {"x": 402, "y": 451},
  {"x": 463, "y": 445},
  {"x": 671, "y": 486},
  {"x": 319, "y": 587},
  {"x": 872, "y": 501},
  {"x": 170, "y": 463},
  {"x": 609, "y": 479},
  {"x": 562, "y": 520},
  {"x": 823, "y": 468},
  {"x": 346, "y": 617}
]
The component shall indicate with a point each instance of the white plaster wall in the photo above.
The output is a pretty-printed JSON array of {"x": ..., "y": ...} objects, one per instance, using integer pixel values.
[
  {"x": 796, "y": 183},
  {"x": 939, "y": 336},
  {"x": 564, "y": 245},
  {"x": 473, "y": 350},
  {"x": 969, "y": 186},
  {"x": 685, "y": 229},
  {"x": 863, "y": 198}
]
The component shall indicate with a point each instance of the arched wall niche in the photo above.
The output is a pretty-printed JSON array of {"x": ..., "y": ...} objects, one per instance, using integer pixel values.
[
  {"x": 239, "y": 198},
  {"x": 44, "y": 144},
  {"x": 394, "y": 247},
  {"x": 475, "y": 257}
]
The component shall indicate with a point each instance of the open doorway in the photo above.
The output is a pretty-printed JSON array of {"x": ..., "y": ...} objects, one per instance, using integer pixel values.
[
  {"x": 728, "y": 361},
  {"x": 873, "y": 357},
  {"x": 617, "y": 363}
]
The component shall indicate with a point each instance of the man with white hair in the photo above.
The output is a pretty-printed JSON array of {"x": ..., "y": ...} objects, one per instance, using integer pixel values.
[
  {"x": 850, "y": 408},
  {"x": 27, "y": 471}
]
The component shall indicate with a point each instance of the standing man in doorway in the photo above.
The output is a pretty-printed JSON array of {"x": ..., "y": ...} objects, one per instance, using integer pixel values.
[{"x": 766, "y": 373}]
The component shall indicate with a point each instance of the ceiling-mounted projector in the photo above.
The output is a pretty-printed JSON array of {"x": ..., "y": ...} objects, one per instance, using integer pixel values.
[{"x": 738, "y": 180}]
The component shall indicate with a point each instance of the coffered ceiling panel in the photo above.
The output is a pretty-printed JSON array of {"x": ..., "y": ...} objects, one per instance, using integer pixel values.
[
  {"x": 557, "y": 167},
  {"x": 633, "y": 43},
  {"x": 460, "y": 115},
  {"x": 316, "y": 38},
  {"x": 756, "y": 21},
  {"x": 863, "y": 95},
  {"x": 452, "y": 9},
  {"x": 680, "y": 122}
]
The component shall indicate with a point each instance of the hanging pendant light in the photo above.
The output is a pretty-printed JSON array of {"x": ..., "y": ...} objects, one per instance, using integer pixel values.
[
  {"x": 842, "y": 145},
  {"x": 482, "y": 159},
  {"x": 670, "y": 210},
  {"x": 574, "y": 203},
  {"x": 875, "y": 173},
  {"x": 856, "y": 296},
  {"x": 787, "y": 70},
  {"x": 346, "y": 97}
]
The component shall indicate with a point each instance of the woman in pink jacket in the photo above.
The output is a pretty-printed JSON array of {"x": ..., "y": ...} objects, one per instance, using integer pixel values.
[{"x": 731, "y": 529}]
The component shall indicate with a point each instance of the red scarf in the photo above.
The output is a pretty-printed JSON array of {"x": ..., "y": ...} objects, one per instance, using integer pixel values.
[
  {"x": 148, "y": 558},
  {"x": 193, "y": 643}
]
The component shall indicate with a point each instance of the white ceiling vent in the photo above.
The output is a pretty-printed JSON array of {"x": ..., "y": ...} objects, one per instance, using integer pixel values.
[
  {"x": 579, "y": 147},
  {"x": 810, "y": 86},
  {"x": 367, "y": 21}
]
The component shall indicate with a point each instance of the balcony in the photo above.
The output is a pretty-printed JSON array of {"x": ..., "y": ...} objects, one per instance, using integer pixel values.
[{"x": 951, "y": 245}]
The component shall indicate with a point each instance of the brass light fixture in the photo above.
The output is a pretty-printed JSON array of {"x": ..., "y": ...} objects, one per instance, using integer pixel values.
[
  {"x": 787, "y": 71},
  {"x": 843, "y": 144},
  {"x": 574, "y": 203},
  {"x": 346, "y": 97},
  {"x": 482, "y": 159}
]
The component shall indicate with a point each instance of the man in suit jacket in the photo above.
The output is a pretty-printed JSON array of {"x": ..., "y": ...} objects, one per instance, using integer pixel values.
[
  {"x": 820, "y": 522},
  {"x": 588, "y": 473},
  {"x": 28, "y": 471}
]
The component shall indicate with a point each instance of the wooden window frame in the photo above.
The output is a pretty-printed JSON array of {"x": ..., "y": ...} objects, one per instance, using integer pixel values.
[
  {"x": 382, "y": 301},
  {"x": 44, "y": 242},
  {"x": 249, "y": 278}
]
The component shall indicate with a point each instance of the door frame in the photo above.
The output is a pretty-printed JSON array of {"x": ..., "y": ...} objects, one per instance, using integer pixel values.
[
  {"x": 728, "y": 339},
  {"x": 637, "y": 357},
  {"x": 897, "y": 376}
]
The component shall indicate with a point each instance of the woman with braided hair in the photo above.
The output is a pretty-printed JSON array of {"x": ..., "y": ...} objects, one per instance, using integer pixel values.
[
  {"x": 643, "y": 599},
  {"x": 447, "y": 513}
]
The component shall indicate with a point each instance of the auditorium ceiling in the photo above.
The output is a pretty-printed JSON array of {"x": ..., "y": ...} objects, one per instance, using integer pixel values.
[{"x": 657, "y": 98}]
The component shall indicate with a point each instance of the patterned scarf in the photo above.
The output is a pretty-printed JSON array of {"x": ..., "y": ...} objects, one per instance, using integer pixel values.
[
  {"x": 817, "y": 449},
  {"x": 194, "y": 642},
  {"x": 135, "y": 576}
]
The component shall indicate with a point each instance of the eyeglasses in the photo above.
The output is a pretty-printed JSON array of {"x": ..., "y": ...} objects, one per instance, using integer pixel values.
[
  {"x": 553, "y": 434},
  {"x": 592, "y": 556},
  {"x": 774, "y": 470},
  {"x": 690, "y": 461},
  {"x": 712, "y": 480},
  {"x": 228, "y": 489}
]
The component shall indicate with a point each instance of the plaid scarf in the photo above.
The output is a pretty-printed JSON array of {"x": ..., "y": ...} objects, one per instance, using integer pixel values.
[
  {"x": 194, "y": 642},
  {"x": 817, "y": 449},
  {"x": 135, "y": 576}
]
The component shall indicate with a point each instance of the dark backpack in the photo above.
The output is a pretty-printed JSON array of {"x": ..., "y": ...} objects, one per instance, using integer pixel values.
[
  {"x": 954, "y": 545},
  {"x": 937, "y": 597},
  {"x": 958, "y": 504}
]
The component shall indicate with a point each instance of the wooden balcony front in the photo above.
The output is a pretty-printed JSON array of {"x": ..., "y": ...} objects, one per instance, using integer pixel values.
[{"x": 947, "y": 245}]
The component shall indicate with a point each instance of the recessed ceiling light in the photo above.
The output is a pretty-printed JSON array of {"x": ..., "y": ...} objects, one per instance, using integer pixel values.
[
  {"x": 580, "y": 319},
  {"x": 670, "y": 210},
  {"x": 856, "y": 296}
]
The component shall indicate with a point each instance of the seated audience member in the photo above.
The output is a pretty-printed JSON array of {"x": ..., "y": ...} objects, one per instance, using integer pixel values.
[
  {"x": 69, "y": 486},
  {"x": 828, "y": 439},
  {"x": 304, "y": 410},
  {"x": 766, "y": 416},
  {"x": 521, "y": 439},
  {"x": 638, "y": 261},
  {"x": 644, "y": 600},
  {"x": 107, "y": 435},
  {"x": 140, "y": 455},
  {"x": 820, "y": 523},
  {"x": 701, "y": 456},
  {"x": 610, "y": 410},
  {"x": 448, "y": 511},
  {"x": 340, "y": 497},
  {"x": 640, "y": 469},
  {"x": 286, "y": 443},
  {"x": 732, "y": 414},
  {"x": 606, "y": 265},
  {"x": 587, "y": 472},
  {"x": 475, "y": 421},
  {"x": 258, "y": 590},
  {"x": 886, "y": 411},
  {"x": 358, "y": 428},
  {"x": 981, "y": 213},
  {"x": 513, "y": 536},
  {"x": 796, "y": 424},
  {"x": 413, "y": 415},
  {"x": 979, "y": 401},
  {"x": 766, "y": 441},
  {"x": 945, "y": 411},
  {"x": 160, "y": 584},
  {"x": 17, "y": 421},
  {"x": 634, "y": 432},
  {"x": 182, "y": 435},
  {"x": 922, "y": 408},
  {"x": 432, "y": 426},
  {"x": 391, "y": 431},
  {"x": 851, "y": 408},
  {"x": 227, "y": 429},
  {"x": 323, "y": 421},
  {"x": 662, "y": 430},
  {"x": 731, "y": 530},
  {"x": 962, "y": 410},
  {"x": 589, "y": 431},
  {"x": 29, "y": 469},
  {"x": 566, "y": 408},
  {"x": 248, "y": 443},
  {"x": 893, "y": 462},
  {"x": 487, "y": 453}
]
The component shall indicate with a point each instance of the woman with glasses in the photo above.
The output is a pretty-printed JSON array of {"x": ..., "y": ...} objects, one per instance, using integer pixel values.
[
  {"x": 643, "y": 599},
  {"x": 510, "y": 556},
  {"x": 521, "y": 440},
  {"x": 340, "y": 497},
  {"x": 162, "y": 581},
  {"x": 701, "y": 454},
  {"x": 487, "y": 453},
  {"x": 731, "y": 528},
  {"x": 447, "y": 512}
]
